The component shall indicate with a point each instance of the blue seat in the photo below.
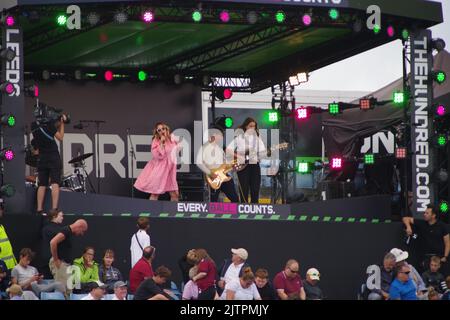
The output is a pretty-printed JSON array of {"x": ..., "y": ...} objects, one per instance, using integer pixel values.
[
  {"x": 52, "y": 296},
  {"x": 108, "y": 296},
  {"x": 130, "y": 297},
  {"x": 77, "y": 296}
]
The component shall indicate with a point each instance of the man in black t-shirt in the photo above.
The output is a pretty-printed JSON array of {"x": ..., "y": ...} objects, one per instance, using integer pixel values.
[
  {"x": 152, "y": 288},
  {"x": 432, "y": 234},
  {"x": 49, "y": 164}
]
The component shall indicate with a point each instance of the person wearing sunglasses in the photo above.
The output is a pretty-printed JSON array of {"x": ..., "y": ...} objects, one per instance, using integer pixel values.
[
  {"x": 403, "y": 288},
  {"x": 160, "y": 174},
  {"x": 288, "y": 284}
]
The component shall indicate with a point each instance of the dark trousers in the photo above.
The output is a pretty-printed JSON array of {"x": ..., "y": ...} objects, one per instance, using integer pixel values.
[
  {"x": 228, "y": 189},
  {"x": 250, "y": 181},
  {"x": 208, "y": 294}
]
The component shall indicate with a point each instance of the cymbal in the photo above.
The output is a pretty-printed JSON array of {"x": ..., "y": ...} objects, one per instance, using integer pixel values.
[{"x": 81, "y": 158}]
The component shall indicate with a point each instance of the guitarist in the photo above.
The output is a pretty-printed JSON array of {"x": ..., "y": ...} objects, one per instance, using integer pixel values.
[
  {"x": 250, "y": 149},
  {"x": 211, "y": 155}
]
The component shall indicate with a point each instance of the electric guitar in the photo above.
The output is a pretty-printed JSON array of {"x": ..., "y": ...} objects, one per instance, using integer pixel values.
[
  {"x": 281, "y": 146},
  {"x": 221, "y": 172}
]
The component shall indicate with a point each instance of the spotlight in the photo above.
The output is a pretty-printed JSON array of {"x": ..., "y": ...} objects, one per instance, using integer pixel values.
[
  {"x": 142, "y": 75},
  {"x": 443, "y": 207},
  {"x": 302, "y": 113},
  {"x": 293, "y": 81},
  {"x": 7, "y": 190},
  {"x": 8, "y": 120},
  {"x": 400, "y": 153},
  {"x": 7, "y": 154},
  {"x": 273, "y": 117},
  {"x": 376, "y": 29},
  {"x": 61, "y": 20},
  {"x": 109, "y": 75},
  {"x": 303, "y": 167},
  {"x": 148, "y": 17},
  {"x": 334, "y": 108},
  {"x": 307, "y": 20},
  {"x": 405, "y": 34},
  {"x": 439, "y": 76},
  {"x": 252, "y": 17},
  {"x": 32, "y": 91},
  {"x": 280, "y": 17},
  {"x": 8, "y": 54},
  {"x": 197, "y": 16},
  {"x": 8, "y": 20},
  {"x": 367, "y": 103},
  {"x": 441, "y": 140},
  {"x": 336, "y": 163},
  {"x": 440, "y": 110},
  {"x": 303, "y": 77},
  {"x": 224, "y": 122},
  {"x": 438, "y": 44},
  {"x": 224, "y": 16},
  {"x": 224, "y": 94},
  {"x": 333, "y": 14},
  {"x": 120, "y": 17},
  {"x": 369, "y": 159},
  {"x": 399, "y": 97},
  {"x": 390, "y": 31},
  {"x": 7, "y": 87},
  {"x": 93, "y": 18}
]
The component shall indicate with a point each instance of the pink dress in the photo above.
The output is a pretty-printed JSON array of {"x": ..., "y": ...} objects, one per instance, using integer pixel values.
[{"x": 160, "y": 173}]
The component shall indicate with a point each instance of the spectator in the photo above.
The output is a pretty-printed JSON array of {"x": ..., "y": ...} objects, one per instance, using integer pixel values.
[
  {"x": 312, "y": 289},
  {"x": 139, "y": 240},
  {"x": 446, "y": 295},
  {"x": 151, "y": 289},
  {"x": 400, "y": 259},
  {"x": 432, "y": 234},
  {"x": 232, "y": 268},
  {"x": 433, "y": 294},
  {"x": 142, "y": 269},
  {"x": 120, "y": 291},
  {"x": 432, "y": 277},
  {"x": 206, "y": 276},
  {"x": 28, "y": 277},
  {"x": 288, "y": 283},
  {"x": 49, "y": 231},
  {"x": 60, "y": 248},
  {"x": 88, "y": 269},
  {"x": 190, "y": 291},
  {"x": 107, "y": 273},
  {"x": 243, "y": 288},
  {"x": 96, "y": 291},
  {"x": 265, "y": 288},
  {"x": 5, "y": 279},
  {"x": 15, "y": 292},
  {"x": 387, "y": 276},
  {"x": 403, "y": 288},
  {"x": 186, "y": 262}
]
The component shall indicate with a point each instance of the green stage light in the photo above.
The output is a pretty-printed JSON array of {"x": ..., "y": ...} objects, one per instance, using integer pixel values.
[
  {"x": 369, "y": 159},
  {"x": 8, "y": 120},
  {"x": 61, "y": 20},
  {"x": 376, "y": 29},
  {"x": 399, "y": 97},
  {"x": 303, "y": 167},
  {"x": 333, "y": 108},
  {"x": 441, "y": 140},
  {"x": 280, "y": 17},
  {"x": 142, "y": 75},
  {"x": 197, "y": 16},
  {"x": 440, "y": 77},
  {"x": 405, "y": 34},
  {"x": 334, "y": 14},
  {"x": 228, "y": 122},
  {"x": 273, "y": 116},
  {"x": 443, "y": 207}
]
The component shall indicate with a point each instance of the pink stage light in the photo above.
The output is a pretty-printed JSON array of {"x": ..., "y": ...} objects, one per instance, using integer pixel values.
[
  {"x": 336, "y": 163},
  {"x": 307, "y": 20},
  {"x": 109, "y": 75},
  {"x": 10, "y": 21},
  {"x": 302, "y": 113},
  {"x": 9, "y": 155},
  {"x": 148, "y": 17},
  {"x": 440, "y": 110},
  {"x": 224, "y": 16},
  {"x": 391, "y": 31}
]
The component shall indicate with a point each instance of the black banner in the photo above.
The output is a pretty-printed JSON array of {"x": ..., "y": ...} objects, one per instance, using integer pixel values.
[{"x": 421, "y": 125}]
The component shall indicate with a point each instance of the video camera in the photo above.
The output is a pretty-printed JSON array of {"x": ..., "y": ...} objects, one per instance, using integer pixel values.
[{"x": 45, "y": 114}]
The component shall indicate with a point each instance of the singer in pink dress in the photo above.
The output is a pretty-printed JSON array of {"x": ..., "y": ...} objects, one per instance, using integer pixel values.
[{"x": 160, "y": 174}]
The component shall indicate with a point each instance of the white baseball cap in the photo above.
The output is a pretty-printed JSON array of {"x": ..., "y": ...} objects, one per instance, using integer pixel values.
[
  {"x": 313, "y": 273},
  {"x": 399, "y": 254},
  {"x": 241, "y": 252}
]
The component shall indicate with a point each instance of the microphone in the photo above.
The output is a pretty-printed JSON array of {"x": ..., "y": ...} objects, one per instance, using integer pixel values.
[{"x": 78, "y": 126}]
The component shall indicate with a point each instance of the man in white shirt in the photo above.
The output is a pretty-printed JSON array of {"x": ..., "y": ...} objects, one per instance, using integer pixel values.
[
  {"x": 97, "y": 291},
  {"x": 139, "y": 240},
  {"x": 212, "y": 156},
  {"x": 120, "y": 291},
  {"x": 232, "y": 268}
]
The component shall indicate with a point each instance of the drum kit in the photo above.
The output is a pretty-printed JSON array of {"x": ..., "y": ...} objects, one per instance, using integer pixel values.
[{"x": 73, "y": 182}]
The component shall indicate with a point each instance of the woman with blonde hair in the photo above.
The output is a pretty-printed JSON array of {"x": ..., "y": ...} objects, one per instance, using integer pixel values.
[
  {"x": 160, "y": 174},
  {"x": 242, "y": 289}
]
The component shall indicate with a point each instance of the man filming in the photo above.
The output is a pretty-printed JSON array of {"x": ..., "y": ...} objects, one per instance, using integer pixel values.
[{"x": 49, "y": 164}]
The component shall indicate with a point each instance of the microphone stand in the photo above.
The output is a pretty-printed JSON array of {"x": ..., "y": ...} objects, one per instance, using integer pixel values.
[{"x": 133, "y": 158}]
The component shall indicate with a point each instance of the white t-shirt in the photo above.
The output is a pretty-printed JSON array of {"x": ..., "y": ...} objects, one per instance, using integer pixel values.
[
  {"x": 88, "y": 297},
  {"x": 136, "y": 251},
  {"x": 210, "y": 156},
  {"x": 232, "y": 273},
  {"x": 115, "y": 298},
  {"x": 250, "y": 293},
  {"x": 23, "y": 274},
  {"x": 249, "y": 143}
]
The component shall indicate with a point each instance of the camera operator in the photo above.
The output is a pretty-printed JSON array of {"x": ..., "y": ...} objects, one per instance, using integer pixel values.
[{"x": 49, "y": 164}]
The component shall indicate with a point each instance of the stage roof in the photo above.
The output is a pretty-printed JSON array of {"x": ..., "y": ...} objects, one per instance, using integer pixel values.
[{"x": 266, "y": 52}]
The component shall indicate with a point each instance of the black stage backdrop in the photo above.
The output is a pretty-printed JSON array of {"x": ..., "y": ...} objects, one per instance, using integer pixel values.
[
  {"x": 137, "y": 106},
  {"x": 341, "y": 251}
]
